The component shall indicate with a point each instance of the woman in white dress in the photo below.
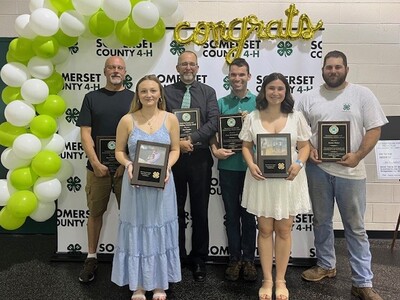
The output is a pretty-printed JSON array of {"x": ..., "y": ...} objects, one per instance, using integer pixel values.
[{"x": 275, "y": 201}]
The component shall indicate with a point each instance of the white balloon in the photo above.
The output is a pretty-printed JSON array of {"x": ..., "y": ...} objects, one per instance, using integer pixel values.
[
  {"x": 14, "y": 74},
  {"x": 174, "y": 19},
  {"x": 47, "y": 189},
  {"x": 4, "y": 192},
  {"x": 34, "y": 91},
  {"x": 145, "y": 14},
  {"x": 44, "y": 22},
  {"x": 117, "y": 10},
  {"x": 166, "y": 7},
  {"x": 61, "y": 56},
  {"x": 19, "y": 113},
  {"x": 72, "y": 23},
  {"x": 55, "y": 143},
  {"x": 43, "y": 211},
  {"x": 10, "y": 161},
  {"x": 112, "y": 41},
  {"x": 87, "y": 7},
  {"x": 26, "y": 146},
  {"x": 22, "y": 27},
  {"x": 40, "y": 67},
  {"x": 66, "y": 170},
  {"x": 35, "y": 4}
]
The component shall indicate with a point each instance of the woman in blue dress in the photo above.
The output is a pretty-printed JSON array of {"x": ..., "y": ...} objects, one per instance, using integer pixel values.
[{"x": 147, "y": 251}]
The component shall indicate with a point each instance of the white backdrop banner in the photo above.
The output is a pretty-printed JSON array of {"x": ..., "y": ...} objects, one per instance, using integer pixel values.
[{"x": 299, "y": 60}]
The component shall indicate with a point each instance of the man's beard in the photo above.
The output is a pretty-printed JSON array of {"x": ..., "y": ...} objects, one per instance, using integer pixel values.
[
  {"x": 116, "y": 80},
  {"x": 334, "y": 81},
  {"x": 188, "y": 77}
]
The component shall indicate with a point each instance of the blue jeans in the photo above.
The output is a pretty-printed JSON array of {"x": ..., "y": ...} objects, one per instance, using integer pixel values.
[
  {"x": 350, "y": 195},
  {"x": 240, "y": 225}
]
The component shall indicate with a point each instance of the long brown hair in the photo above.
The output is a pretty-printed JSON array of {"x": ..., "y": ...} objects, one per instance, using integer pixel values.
[
  {"x": 261, "y": 99},
  {"x": 136, "y": 105}
]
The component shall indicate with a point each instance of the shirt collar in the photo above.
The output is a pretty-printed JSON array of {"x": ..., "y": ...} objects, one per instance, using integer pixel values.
[{"x": 246, "y": 97}]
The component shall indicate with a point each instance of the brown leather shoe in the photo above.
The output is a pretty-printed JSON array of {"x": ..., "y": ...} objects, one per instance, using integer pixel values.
[
  {"x": 317, "y": 273},
  {"x": 232, "y": 272},
  {"x": 365, "y": 293},
  {"x": 249, "y": 271}
]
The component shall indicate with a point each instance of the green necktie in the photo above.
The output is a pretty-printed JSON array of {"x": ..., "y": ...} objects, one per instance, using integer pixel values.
[{"x": 186, "y": 98}]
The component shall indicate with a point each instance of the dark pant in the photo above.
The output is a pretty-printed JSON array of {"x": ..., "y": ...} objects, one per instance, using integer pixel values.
[
  {"x": 240, "y": 225},
  {"x": 194, "y": 170}
]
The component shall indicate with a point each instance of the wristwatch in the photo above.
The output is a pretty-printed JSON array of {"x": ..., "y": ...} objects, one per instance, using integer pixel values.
[{"x": 298, "y": 161}]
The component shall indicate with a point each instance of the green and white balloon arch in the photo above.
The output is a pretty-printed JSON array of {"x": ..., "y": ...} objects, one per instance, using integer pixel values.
[{"x": 33, "y": 105}]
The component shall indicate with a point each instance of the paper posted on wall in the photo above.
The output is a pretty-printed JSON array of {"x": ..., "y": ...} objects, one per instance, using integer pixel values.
[{"x": 387, "y": 154}]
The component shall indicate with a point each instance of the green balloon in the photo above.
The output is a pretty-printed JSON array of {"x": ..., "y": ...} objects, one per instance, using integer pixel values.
[
  {"x": 23, "y": 178},
  {"x": 55, "y": 82},
  {"x": 10, "y": 94},
  {"x": 100, "y": 24},
  {"x": 8, "y": 221},
  {"x": 22, "y": 203},
  {"x": 65, "y": 40},
  {"x": 53, "y": 106},
  {"x": 8, "y": 133},
  {"x": 134, "y": 2},
  {"x": 128, "y": 32},
  {"x": 43, "y": 126},
  {"x": 21, "y": 49},
  {"x": 11, "y": 58},
  {"x": 62, "y": 5},
  {"x": 156, "y": 33},
  {"x": 46, "y": 163},
  {"x": 45, "y": 47}
]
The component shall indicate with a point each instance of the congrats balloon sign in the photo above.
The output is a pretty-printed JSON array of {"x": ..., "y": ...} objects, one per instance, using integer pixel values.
[{"x": 33, "y": 106}]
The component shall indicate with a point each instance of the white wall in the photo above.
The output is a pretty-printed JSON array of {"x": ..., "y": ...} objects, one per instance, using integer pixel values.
[{"x": 367, "y": 31}]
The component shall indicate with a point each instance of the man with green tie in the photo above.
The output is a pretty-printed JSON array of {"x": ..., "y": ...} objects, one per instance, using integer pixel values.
[{"x": 194, "y": 167}]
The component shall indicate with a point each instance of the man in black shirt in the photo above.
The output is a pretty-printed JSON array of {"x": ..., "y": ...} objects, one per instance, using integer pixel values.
[
  {"x": 99, "y": 116},
  {"x": 194, "y": 167}
]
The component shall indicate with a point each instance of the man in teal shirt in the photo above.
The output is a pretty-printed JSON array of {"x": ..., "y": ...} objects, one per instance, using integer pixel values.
[{"x": 240, "y": 225}]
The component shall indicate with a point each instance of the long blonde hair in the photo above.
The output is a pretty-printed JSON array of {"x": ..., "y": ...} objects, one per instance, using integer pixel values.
[{"x": 136, "y": 105}]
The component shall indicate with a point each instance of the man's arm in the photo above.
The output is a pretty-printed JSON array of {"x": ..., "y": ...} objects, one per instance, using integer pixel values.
[
  {"x": 210, "y": 127},
  {"x": 217, "y": 151},
  {"x": 99, "y": 169},
  {"x": 368, "y": 142}
]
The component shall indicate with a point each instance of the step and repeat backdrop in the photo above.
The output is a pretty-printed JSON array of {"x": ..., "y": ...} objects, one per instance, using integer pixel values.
[{"x": 299, "y": 60}]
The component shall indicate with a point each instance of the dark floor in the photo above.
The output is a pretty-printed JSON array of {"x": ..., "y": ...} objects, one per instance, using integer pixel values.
[{"x": 27, "y": 271}]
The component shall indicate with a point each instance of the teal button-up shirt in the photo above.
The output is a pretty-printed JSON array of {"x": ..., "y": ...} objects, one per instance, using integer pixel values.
[{"x": 228, "y": 105}]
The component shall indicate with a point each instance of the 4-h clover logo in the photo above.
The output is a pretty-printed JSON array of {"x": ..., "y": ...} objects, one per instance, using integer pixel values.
[
  {"x": 346, "y": 107},
  {"x": 71, "y": 115},
  {"x": 111, "y": 145},
  {"x": 285, "y": 48},
  {"x": 73, "y": 49},
  {"x": 186, "y": 117},
  {"x": 128, "y": 82},
  {"x": 156, "y": 175},
  {"x": 74, "y": 248},
  {"x": 231, "y": 122},
  {"x": 333, "y": 129},
  {"x": 227, "y": 84},
  {"x": 176, "y": 48},
  {"x": 74, "y": 184}
]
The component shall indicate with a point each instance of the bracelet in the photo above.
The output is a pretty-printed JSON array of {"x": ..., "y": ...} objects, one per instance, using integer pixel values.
[
  {"x": 298, "y": 161},
  {"x": 128, "y": 164}
]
